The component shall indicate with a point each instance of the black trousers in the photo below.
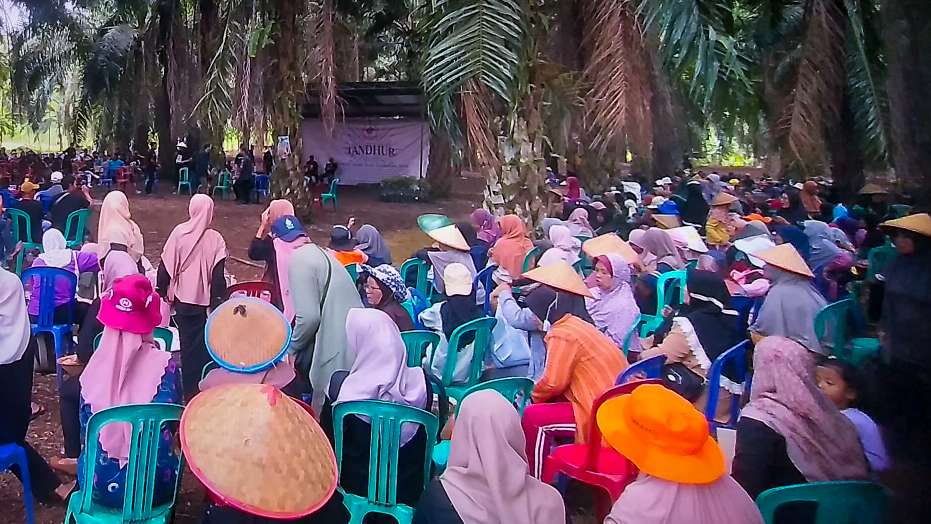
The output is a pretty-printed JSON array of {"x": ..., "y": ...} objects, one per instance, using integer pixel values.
[
  {"x": 191, "y": 321},
  {"x": 69, "y": 408},
  {"x": 243, "y": 189},
  {"x": 149, "y": 180}
]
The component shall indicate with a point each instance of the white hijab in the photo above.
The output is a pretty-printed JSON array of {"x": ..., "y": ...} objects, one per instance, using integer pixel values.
[
  {"x": 55, "y": 251},
  {"x": 14, "y": 321}
]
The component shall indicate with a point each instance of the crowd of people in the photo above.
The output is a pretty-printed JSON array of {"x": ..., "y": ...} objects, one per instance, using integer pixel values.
[{"x": 576, "y": 303}]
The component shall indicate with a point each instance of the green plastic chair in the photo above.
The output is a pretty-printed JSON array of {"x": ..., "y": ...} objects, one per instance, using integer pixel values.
[
  {"x": 165, "y": 336},
  {"x": 530, "y": 259},
  {"x": 21, "y": 221},
  {"x": 847, "y": 502},
  {"x": 516, "y": 389},
  {"x": 482, "y": 328},
  {"x": 900, "y": 210},
  {"x": 831, "y": 323},
  {"x": 75, "y": 226},
  {"x": 879, "y": 258},
  {"x": 420, "y": 279},
  {"x": 146, "y": 421},
  {"x": 646, "y": 324},
  {"x": 416, "y": 343},
  {"x": 353, "y": 270},
  {"x": 224, "y": 184},
  {"x": 386, "y": 420},
  {"x": 663, "y": 282},
  {"x": 331, "y": 195},
  {"x": 184, "y": 179}
]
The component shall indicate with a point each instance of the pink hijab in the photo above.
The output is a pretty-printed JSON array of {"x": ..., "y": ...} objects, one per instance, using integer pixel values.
[
  {"x": 614, "y": 311},
  {"x": 652, "y": 500},
  {"x": 283, "y": 252},
  {"x": 578, "y": 223},
  {"x": 509, "y": 251},
  {"x": 191, "y": 252},
  {"x": 563, "y": 240},
  {"x": 486, "y": 226},
  {"x": 117, "y": 265},
  {"x": 116, "y": 226},
  {"x": 277, "y": 209},
  {"x": 821, "y": 442},
  {"x": 487, "y": 478},
  {"x": 660, "y": 244}
]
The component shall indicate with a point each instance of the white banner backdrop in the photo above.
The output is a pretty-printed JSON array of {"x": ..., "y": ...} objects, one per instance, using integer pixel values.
[{"x": 369, "y": 150}]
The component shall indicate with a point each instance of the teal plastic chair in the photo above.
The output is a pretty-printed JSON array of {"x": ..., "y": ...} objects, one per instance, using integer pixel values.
[
  {"x": 146, "y": 421},
  {"x": 75, "y": 227},
  {"x": 516, "y": 390},
  {"x": 419, "y": 280},
  {"x": 482, "y": 328},
  {"x": 879, "y": 258},
  {"x": 666, "y": 281},
  {"x": 530, "y": 259},
  {"x": 207, "y": 368},
  {"x": 353, "y": 270},
  {"x": 831, "y": 330},
  {"x": 165, "y": 336},
  {"x": 184, "y": 179},
  {"x": 416, "y": 342},
  {"x": 900, "y": 210},
  {"x": 331, "y": 195},
  {"x": 646, "y": 324},
  {"x": 847, "y": 502},
  {"x": 224, "y": 184},
  {"x": 22, "y": 222},
  {"x": 386, "y": 420}
]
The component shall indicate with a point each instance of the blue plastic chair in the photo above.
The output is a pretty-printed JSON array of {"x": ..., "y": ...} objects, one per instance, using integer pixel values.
[
  {"x": 666, "y": 283},
  {"x": 386, "y": 419},
  {"x": 331, "y": 195},
  {"x": 651, "y": 368},
  {"x": 485, "y": 278},
  {"x": 482, "y": 328},
  {"x": 14, "y": 454},
  {"x": 745, "y": 307},
  {"x": 61, "y": 333},
  {"x": 850, "y": 502},
  {"x": 47, "y": 201},
  {"x": 261, "y": 187},
  {"x": 147, "y": 421},
  {"x": 737, "y": 355}
]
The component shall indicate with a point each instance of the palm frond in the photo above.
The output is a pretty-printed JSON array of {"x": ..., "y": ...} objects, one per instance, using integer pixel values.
[
  {"x": 476, "y": 117},
  {"x": 868, "y": 102},
  {"x": 215, "y": 106}
]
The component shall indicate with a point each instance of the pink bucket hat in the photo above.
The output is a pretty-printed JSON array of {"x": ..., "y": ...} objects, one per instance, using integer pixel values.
[{"x": 131, "y": 305}]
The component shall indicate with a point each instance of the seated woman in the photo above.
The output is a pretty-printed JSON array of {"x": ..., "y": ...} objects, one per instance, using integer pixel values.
[
  {"x": 830, "y": 263},
  {"x": 683, "y": 477},
  {"x": 128, "y": 368},
  {"x": 487, "y": 472},
  {"x": 478, "y": 250},
  {"x": 567, "y": 247},
  {"x": 703, "y": 328},
  {"x": 280, "y": 234},
  {"x": 790, "y": 432},
  {"x": 486, "y": 226},
  {"x": 116, "y": 226},
  {"x": 578, "y": 223},
  {"x": 581, "y": 363},
  {"x": 612, "y": 306},
  {"x": 444, "y": 317},
  {"x": 509, "y": 251},
  {"x": 56, "y": 254},
  {"x": 385, "y": 290},
  {"x": 720, "y": 227},
  {"x": 449, "y": 247},
  {"x": 658, "y": 251},
  {"x": 373, "y": 245},
  {"x": 345, "y": 248}
]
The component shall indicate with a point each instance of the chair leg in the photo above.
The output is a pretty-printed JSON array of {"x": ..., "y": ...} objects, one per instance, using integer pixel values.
[{"x": 27, "y": 484}]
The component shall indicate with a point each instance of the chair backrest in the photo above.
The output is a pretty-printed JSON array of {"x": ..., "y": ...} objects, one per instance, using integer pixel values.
[
  {"x": 668, "y": 283},
  {"x": 333, "y": 184},
  {"x": 644, "y": 324},
  {"x": 48, "y": 277},
  {"x": 737, "y": 356},
  {"x": 482, "y": 328},
  {"x": 484, "y": 277},
  {"x": 225, "y": 177},
  {"x": 163, "y": 338},
  {"x": 878, "y": 258},
  {"x": 183, "y": 174},
  {"x": 353, "y": 270},
  {"x": 516, "y": 390},
  {"x": 831, "y": 322},
  {"x": 75, "y": 225},
  {"x": 253, "y": 288},
  {"x": 386, "y": 419},
  {"x": 261, "y": 183},
  {"x": 147, "y": 421},
  {"x": 416, "y": 343},
  {"x": 850, "y": 502},
  {"x": 594, "y": 434},
  {"x": 745, "y": 306},
  {"x": 420, "y": 270},
  {"x": 530, "y": 259},
  {"x": 20, "y": 222},
  {"x": 650, "y": 368}
]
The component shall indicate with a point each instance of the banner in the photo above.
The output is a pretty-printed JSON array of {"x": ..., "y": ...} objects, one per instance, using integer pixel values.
[{"x": 367, "y": 151}]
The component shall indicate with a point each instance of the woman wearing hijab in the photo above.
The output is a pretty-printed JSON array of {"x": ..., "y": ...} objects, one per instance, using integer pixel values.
[
  {"x": 659, "y": 251},
  {"x": 612, "y": 307},
  {"x": 487, "y": 230},
  {"x": 275, "y": 243},
  {"x": 795, "y": 236},
  {"x": 578, "y": 223},
  {"x": 128, "y": 368},
  {"x": 565, "y": 246},
  {"x": 487, "y": 479},
  {"x": 830, "y": 263},
  {"x": 379, "y": 372},
  {"x": 509, "y": 251},
  {"x": 682, "y": 474},
  {"x": 703, "y": 328},
  {"x": 191, "y": 279},
  {"x": 262, "y": 247},
  {"x": 794, "y": 213},
  {"x": 385, "y": 290},
  {"x": 478, "y": 250},
  {"x": 345, "y": 248},
  {"x": 115, "y": 217},
  {"x": 16, "y": 374},
  {"x": 695, "y": 210},
  {"x": 55, "y": 253},
  {"x": 450, "y": 246},
  {"x": 810, "y": 200},
  {"x": 372, "y": 244},
  {"x": 790, "y": 432},
  {"x": 573, "y": 190},
  {"x": 581, "y": 363},
  {"x": 459, "y": 308}
]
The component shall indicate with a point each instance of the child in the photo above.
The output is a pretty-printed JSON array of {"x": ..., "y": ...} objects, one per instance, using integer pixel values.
[{"x": 841, "y": 383}]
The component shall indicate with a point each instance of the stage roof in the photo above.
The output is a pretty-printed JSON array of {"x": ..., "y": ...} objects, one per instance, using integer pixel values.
[{"x": 371, "y": 99}]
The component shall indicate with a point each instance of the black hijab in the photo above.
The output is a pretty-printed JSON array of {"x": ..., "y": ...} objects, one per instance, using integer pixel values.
[
  {"x": 795, "y": 213},
  {"x": 539, "y": 301},
  {"x": 568, "y": 304},
  {"x": 456, "y": 311},
  {"x": 695, "y": 209}
]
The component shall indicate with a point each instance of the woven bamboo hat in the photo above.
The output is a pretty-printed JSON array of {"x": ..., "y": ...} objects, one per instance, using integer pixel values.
[
  {"x": 723, "y": 199},
  {"x": 258, "y": 450},
  {"x": 667, "y": 221},
  {"x": 449, "y": 236},
  {"x": 918, "y": 223},
  {"x": 872, "y": 189},
  {"x": 247, "y": 335},
  {"x": 689, "y": 235},
  {"x": 561, "y": 276},
  {"x": 609, "y": 243},
  {"x": 784, "y": 256}
]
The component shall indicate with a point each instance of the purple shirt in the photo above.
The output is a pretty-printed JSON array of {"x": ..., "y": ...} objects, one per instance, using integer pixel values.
[
  {"x": 87, "y": 262},
  {"x": 870, "y": 439}
]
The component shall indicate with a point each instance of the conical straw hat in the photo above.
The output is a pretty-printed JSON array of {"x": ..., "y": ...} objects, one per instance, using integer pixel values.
[
  {"x": 431, "y": 221},
  {"x": 784, "y": 256},
  {"x": 723, "y": 199},
  {"x": 247, "y": 335},
  {"x": 690, "y": 236},
  {"x": 918, "y": 223},
  {"x": 560, "y": 275},
  {"x": 609, "y": 243},
  {"x": 449, "y": 236},
  {"x": 258, "y": 450},
  {"x": 667, "y": 221},
  {"x": 872, "y": 189}
]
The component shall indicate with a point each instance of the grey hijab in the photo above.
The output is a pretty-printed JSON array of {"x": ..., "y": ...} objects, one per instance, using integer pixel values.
[
  {"x": 823, "y": 248},
  {"x": 752, "y": 229},
  {"x": 789, "y": 309},
  {"x": 372, "y": 244}
]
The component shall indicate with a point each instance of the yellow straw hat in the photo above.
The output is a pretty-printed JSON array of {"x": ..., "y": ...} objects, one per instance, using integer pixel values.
[
  {"x": 872, "y": 189},
  {"x": 667, "y": 221},
  {"x": 609, "y": 243},
  {"x": 449, "y": 236},
  {"x": 723, "y": 199},
  {"x": 918, "y": 223},
  {"x": 561, "y": 276},
  {"x": 247, "y": 335},
  {"x": 784, "y": 256},
  {"x": 258, "y": 450},
  {"x": 662, "y": 434}
]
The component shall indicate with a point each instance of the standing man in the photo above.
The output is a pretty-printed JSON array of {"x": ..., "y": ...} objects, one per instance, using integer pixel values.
[
  {"x": 149, "y": 160},
  {"x": 268, "y": 161},
  {"x": 201, "y": 167},
  {"x": 246, "y": 179}
]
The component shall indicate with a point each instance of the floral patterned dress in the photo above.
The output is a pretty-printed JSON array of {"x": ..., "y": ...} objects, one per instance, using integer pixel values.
[{"x": 110, "y": 478}]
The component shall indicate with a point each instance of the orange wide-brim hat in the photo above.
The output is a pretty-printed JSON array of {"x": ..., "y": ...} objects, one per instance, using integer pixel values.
[
  {"x": 918, "y": 223},
  {"x": 785, "y": 256},
  {"x": 607, "y": 244},
  {"x": 560, "y": 275},
  {"x": 258, "y": 451},
  {"x": 662, "y": 434},
  {"x": 758, "y": 217}
]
